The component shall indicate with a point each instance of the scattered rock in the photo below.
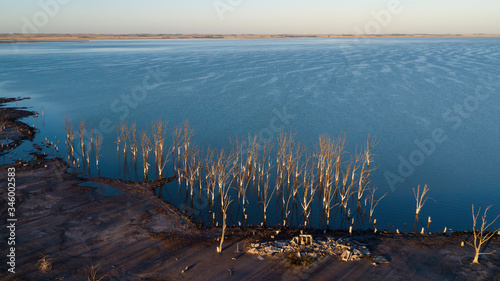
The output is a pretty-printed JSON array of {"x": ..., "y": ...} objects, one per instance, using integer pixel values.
[{"x": 380, "y": 259}]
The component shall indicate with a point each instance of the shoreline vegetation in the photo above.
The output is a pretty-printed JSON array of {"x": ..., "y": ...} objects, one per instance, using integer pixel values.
[
  {"x": 78, "y": 231},
  {"x": 34, "y": 38}
]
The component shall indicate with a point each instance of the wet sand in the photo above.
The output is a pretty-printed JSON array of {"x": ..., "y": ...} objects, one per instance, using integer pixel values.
[{"x": 137, "y": 236}]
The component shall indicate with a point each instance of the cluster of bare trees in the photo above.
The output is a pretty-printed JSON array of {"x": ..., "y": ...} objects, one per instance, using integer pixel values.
[
  {"x": 289, "y": 176},
  {"x": 90, "y": 142},
  {"x": 151, "y": 148},
  {"x": 295, "y": 179}
]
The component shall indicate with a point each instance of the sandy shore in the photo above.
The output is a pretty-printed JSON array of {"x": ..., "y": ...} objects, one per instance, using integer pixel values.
[
  {"x": 135, "y": 235},
  {"x": 23, "y": 38}
]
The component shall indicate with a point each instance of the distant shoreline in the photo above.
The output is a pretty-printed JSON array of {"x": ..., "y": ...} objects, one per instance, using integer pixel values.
[{"x": 35, "y": 38}]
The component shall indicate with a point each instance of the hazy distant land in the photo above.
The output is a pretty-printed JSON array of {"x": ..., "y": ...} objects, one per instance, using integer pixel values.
[{"x": 11, "y": 38}]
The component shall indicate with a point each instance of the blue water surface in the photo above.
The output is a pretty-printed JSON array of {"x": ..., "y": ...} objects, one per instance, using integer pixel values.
[{"x": 432, "y": 104}]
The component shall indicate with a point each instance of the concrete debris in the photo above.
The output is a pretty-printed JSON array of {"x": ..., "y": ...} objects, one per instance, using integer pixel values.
[
  {"x": 302, "y": 240},
  {"x": 346, "y": 255},
  {"x": 305, "y": 245}
]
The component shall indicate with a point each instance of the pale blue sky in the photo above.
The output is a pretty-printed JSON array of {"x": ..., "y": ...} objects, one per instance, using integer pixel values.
[{"x": 249, "y": 16}]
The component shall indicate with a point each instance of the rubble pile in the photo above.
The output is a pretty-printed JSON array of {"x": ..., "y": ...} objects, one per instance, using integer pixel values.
[{"x": 305, "y": 245}]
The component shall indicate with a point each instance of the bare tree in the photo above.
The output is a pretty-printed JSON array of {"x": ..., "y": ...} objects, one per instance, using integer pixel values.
[
  {"x": 266, "y": 188},
  {"x": 252, "y": 155},
  {"x": 176, "y": 149},
  {"x": 98, "y": 144},
  {"x": 290, "y": 159},
  {"x": 225, "y": 201},
  {"x": 326, "y": 158},
  {"x": 145, "y": 149},
  {"x": 244, "y": 166},
  {"x": 91, "y": 135},
  {"x": 89, "y": 147},
  {"x": 118, "y": 138},
  {"x": 284, "y": 143},
  {"x": 70, "y": 137},
  {"x": 192, "y": 169},
  {"x": 373, "y": 202},
  {"x": 81, "y": 132},
  {"x": 348, "y": 181},
  {"x": 309, "y": 189},
  {"x": 261, "y": 165},
  {"x": 224, "y": 184},
  {"x": 237, "y": 165},
  {"x": 133, "y": 141},
  {"x": 365, "y": 167},
  {"x": 159, "y": 128},
  {"x": 296, "y": 167},
  {"x": 124, "y": 132},
  {"x": 481, "y": 236},
  {"x": 210, "y": 174},
  {"x": 287, "y": 211},
  {"x": 420, "y": 198},
  {"x": 187, "y": 134}
]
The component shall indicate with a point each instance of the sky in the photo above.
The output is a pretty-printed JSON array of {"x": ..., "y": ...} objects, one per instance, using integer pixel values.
[{"x": 251, "y": 16}]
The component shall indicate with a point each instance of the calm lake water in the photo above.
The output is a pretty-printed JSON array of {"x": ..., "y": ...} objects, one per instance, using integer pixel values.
[{"x": 433, "y": 105}]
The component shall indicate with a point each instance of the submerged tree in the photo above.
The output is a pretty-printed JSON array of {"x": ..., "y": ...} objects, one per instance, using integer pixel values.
[
  {"x": 81, "y": 132},
  {"x": 187, "y": 134},
  {"x": 70, "y": 137},
  {"x": 89, "y": 148},
  {"x": 420, "y": 198},
  {"x": 124, "y": 133},
  {"x": 98, "y": 144},
  {"x": 373, "y": 202},
  {"x": 191, "y": 171},
  {"x": 327, "y": 154},
  {"x": 210, "y": 174},
  {"x": 365, "y": 167},
  {"x": 159, "y": 128},
  {"x": 266, "y": 197},
  {"x": 309, "y": 189},
  {"x": 145, "y": 149},
  {"x": 133, "y": 142}
]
